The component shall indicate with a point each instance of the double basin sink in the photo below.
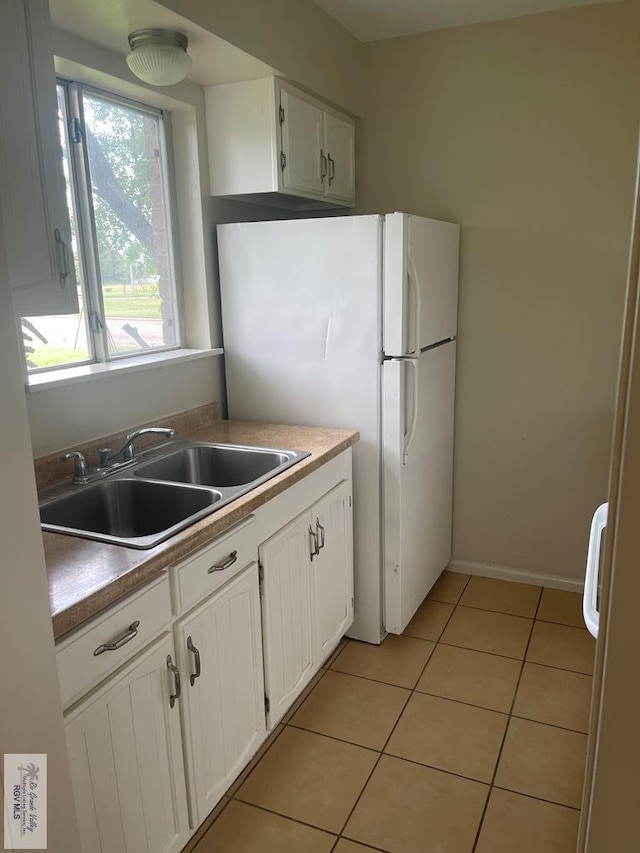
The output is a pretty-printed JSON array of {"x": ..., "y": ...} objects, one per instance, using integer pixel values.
[{"x": 169, "y": 488}]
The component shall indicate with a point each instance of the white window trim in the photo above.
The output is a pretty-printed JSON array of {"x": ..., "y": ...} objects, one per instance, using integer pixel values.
[
  {"x": 107, "y": 71},
  {"x": 103, "y": 370}
]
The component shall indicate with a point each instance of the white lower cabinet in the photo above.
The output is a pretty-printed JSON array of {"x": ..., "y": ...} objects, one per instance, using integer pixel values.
[
  {"x": 286, "y": 614},
  {"x": 125, "y": 751},
  {"x": 220, "y": 655},
  {"x": 158, "y": 726},
  {"x": 332, "y": 570},
  {"x": 307, "y": 595}
]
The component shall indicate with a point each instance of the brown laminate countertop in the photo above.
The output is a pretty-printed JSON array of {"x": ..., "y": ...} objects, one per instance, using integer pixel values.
[{"x": 85, "y": 576}]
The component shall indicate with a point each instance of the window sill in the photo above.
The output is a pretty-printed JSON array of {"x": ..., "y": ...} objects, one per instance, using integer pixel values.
[{"x": 91, "y": 372}]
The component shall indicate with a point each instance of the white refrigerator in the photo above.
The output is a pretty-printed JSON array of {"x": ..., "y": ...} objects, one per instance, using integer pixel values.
[{"x": 350, "y": 321}]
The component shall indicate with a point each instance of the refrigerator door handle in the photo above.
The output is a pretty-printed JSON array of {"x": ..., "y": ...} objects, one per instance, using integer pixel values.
[
  {"x": 410, "y": 434},
  {"x": 590, "y": 595},
  {"x": 414, "y": 282}
]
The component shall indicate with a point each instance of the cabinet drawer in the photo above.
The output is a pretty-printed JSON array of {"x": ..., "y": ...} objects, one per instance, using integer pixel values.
[
  {"x": 84, "y": 659},
  {"x": 196, "y": 577}
]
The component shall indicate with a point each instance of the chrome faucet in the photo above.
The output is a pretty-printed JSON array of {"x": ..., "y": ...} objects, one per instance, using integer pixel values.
[
  {"x": 109, "y": 459},
  {"x": 109, "y": 463}
]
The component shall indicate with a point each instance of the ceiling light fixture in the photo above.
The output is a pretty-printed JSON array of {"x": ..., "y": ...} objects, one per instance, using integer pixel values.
[{"x": 159, "y": 57}]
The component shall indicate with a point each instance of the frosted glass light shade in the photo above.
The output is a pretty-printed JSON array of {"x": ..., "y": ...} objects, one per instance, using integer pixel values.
[{"x": 159, "y": 57}]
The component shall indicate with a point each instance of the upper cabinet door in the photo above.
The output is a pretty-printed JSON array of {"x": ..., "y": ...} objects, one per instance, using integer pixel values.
[
  {"x": 302, "y": 132},
  {"x": 341, "y": 157},
  {"x": 32, "y": 187}
]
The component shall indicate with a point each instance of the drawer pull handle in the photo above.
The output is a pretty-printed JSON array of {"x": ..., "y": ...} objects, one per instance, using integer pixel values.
[
  {"x": 220, "y": 567},
  {"x": 320, "y": 530},
  {"x": 196, "y": 654},
  {"x": 132, "y": 632},
  {"x": 174, "y": 669},
  {"x": 315, "y": 550}
]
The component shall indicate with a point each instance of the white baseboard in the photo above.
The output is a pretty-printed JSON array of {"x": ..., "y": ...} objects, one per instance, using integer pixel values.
[{"x": 507, "y": 573}]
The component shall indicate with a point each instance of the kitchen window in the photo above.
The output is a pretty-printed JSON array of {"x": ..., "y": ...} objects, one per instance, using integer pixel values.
[{"x": 116, "y": 167}]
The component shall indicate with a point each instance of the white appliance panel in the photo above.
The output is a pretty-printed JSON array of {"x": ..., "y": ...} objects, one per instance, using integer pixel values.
[
  {"x": 417, "y": 478},
  {"x": 302, "y": 340},
  {"x": 420, "y": 283}
]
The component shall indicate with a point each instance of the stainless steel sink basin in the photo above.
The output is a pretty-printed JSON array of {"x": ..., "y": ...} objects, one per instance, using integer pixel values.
[
  {"x": 131, "y": 512},
  {"x": 174, "y": 486},
  {"x": 216, "y": 465}
]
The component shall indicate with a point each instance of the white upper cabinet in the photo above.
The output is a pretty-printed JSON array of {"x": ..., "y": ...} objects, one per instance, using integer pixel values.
[
  {"x": 273, "y": 144},
  {"x": 32, "y": 186},
  {"x": 301, "y": 121},
  {"x": 339, "y": 144}
]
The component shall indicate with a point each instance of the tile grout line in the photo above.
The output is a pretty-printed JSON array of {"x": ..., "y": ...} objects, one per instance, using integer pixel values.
[
  {"x": 322, "y": 672},
  {"x": 192, "y": 846},
  {"x": 283, "y": 816},
  {"x": 502, "y": 612},
  {"x": 395, "y": 725},
  {"x": 538, "y": 799},
  {"x": 327, "y": 666},
  {"x": 506, "y": 728},
  {"x": 491, "y": 710},
  {"x": 274, "y": 735},
  {"x": 335, "y": 654},
  {"x": 341, "y": 836},
  {"x": 271, "y": 739}
]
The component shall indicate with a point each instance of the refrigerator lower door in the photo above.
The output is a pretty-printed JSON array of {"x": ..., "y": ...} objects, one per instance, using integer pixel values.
[{"x": 417, "y": 424}]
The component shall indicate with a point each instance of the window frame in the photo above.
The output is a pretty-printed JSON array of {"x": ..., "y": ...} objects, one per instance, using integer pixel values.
[{"x": 88, "y": 259}]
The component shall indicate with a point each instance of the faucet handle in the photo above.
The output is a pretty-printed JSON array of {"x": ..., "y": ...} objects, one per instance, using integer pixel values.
[
  {"x": 104, "y": 454},
  {"x": 80, "y": 464}
]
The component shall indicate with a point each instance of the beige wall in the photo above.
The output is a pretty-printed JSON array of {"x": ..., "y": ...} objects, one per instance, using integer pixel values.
[
  {"x": 294, "y": 36},
  {"x": 524, "y": 131}
]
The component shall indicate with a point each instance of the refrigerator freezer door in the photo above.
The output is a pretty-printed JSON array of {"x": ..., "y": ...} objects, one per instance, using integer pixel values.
[
  {"x": 417, "y": 478},
  {"x": 420, "y": 283},
  {"x": 302, "y": 340}
]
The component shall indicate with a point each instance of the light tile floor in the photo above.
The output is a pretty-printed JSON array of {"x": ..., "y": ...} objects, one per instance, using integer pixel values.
[{"x": 466, "y": 735}]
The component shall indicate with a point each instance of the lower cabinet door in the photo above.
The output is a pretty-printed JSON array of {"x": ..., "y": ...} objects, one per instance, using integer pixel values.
[
  {"x": 220, "y": 652},
  {"x": 332, "y": 569},
  {"x": 125, "y": 752},
  {"x": 286, "y": 614}
]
